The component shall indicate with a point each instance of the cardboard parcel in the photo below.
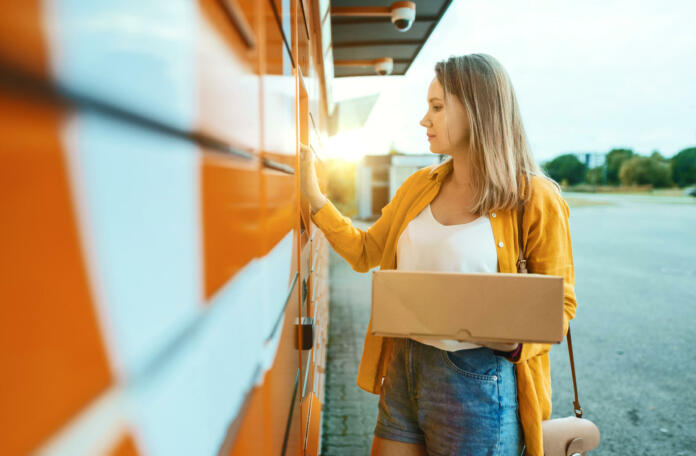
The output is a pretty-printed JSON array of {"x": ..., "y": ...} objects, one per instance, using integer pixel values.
[{"x": 498, "y": 307}]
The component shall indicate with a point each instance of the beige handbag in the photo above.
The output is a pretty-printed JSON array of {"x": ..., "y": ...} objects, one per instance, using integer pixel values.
[{"x": 572, "y": 435}]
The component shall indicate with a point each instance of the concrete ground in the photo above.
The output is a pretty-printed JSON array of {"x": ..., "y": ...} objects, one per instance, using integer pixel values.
[
  {"x": 350, "y": 414},
  {"x": 634, "y": 337}
]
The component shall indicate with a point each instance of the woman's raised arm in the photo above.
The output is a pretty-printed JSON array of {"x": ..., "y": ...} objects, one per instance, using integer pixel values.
[
  {"x": 361, "y": 249},
  {"x": 309, "y": 185}
]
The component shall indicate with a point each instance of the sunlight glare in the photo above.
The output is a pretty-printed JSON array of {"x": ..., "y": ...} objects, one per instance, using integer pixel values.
[{"x": 355, "y": 144}]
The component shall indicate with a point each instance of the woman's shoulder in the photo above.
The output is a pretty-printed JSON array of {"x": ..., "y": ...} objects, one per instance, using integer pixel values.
[
  {"x": 546, "y": 195},
  {"x": 411, "y": 188},
  {"x": 544, "y": 185}
]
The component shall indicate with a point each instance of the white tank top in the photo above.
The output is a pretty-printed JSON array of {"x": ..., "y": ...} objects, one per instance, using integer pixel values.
[{"x": 427, "y": 245}]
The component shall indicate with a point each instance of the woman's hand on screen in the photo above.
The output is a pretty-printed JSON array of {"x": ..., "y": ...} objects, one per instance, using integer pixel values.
[{"x": 309, "y": 184}]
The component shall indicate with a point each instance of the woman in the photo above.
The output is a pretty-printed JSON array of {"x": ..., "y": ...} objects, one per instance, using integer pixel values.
[{"x": 445, "y": 397}]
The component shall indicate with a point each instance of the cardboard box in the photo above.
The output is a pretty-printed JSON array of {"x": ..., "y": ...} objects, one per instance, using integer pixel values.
[{"x": 498, "y": 307}]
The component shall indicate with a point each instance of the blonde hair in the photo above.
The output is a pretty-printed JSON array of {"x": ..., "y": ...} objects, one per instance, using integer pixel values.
[{"x": 501, "y": 160}]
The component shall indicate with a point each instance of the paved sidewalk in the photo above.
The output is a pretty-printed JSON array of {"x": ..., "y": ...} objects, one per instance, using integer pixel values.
[{"x": 350, "y": 414}]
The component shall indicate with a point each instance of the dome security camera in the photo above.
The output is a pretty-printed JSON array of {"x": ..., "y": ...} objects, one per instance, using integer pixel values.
[
  {"x": 402, "y": 15},
  {"x": 384, "y": 66}
]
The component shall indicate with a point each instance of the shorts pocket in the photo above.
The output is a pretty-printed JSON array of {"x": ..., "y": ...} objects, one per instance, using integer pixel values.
[{"x": 478, "y": 363}]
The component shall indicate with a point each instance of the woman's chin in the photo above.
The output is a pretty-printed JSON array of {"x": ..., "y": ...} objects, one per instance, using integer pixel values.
[{"x": 438, "y": 152}]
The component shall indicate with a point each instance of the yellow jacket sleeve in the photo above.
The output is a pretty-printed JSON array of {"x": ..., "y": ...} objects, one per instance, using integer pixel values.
[
  {"x": 548, "y": 250},
  {"x": 361, "y": 249}
]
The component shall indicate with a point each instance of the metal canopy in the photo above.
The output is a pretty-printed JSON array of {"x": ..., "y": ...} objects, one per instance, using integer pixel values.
[{"x": 368, "y": 38}]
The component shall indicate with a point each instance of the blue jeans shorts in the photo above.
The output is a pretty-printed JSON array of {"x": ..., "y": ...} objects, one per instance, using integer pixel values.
[{"x": 454, "y": 402}]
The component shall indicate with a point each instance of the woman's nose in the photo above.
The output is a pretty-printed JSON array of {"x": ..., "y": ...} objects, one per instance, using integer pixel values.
[{"x": 425, "y": 122}]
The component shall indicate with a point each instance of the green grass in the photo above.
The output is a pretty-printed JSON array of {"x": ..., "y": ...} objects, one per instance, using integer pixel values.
[
  {"x": 624, "y": 190},
  {"x": 581, "y": 202}
]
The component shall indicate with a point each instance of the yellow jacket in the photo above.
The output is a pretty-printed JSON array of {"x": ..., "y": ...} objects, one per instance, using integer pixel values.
[{"x": 546, "y": 236}]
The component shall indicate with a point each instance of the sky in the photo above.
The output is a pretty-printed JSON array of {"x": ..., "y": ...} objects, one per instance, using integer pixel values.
[{"x": 589, "y": 76}]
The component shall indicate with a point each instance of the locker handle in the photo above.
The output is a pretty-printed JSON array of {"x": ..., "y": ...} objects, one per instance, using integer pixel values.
[
  {"x": 306, "y": 331},
  {"x": 272, "y": 164}
]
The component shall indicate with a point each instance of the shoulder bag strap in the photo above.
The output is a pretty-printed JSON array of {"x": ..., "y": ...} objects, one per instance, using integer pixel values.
[{"x": 522, "y": 269}]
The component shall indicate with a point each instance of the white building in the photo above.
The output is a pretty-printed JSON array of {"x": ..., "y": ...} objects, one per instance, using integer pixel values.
[{"x": 378, "y": 176}]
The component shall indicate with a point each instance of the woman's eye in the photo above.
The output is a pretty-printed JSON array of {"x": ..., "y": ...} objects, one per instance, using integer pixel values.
[{"x": 437, "y": 108}]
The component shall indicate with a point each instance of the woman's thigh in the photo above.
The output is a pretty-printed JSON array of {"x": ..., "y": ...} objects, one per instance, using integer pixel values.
[
  {"x": 386, "y": 447},
  {"x": 397, "y": 418},
  {"x": 448, "y": 403},
  {"x": 466, "y": 402}
]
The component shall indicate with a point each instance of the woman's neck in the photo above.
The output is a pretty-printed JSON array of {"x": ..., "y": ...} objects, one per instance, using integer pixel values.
[{"x": 461, "y": 171}]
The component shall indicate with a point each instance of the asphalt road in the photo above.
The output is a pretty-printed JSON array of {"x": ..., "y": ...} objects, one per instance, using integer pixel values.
[{"x": 634, "y": 335}]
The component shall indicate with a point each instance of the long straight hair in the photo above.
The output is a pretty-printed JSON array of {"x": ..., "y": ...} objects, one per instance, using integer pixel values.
[{"x": 501, "y": 161}]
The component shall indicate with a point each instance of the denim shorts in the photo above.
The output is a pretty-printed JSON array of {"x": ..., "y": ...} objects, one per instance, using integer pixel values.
[{"x": 454, "y": 402}]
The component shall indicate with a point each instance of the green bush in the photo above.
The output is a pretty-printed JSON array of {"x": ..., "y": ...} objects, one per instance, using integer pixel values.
[
  {"x": 639, "y": 170},
  {"x": 684, "y": 167},
  {"x": 566, "y": 168},
  {"x": 594, "y": 176},
  {"x": 615, "y": 158}
]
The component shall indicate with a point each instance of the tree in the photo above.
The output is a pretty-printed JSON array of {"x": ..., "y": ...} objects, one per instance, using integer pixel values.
[
  {"x": 566, "y": 167},
  {"x": 639, "y": 170},
  {"x": 594, "y": 175},
  {"x": 615, "y": 159},
  {"x": 684, "y": 167},
  {"x": 656, "y": 155}
]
